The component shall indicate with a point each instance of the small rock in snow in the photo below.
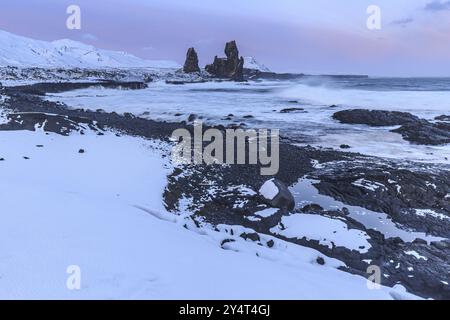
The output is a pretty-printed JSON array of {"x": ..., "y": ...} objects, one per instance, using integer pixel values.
[
  {"x": 277, "y": 194},
  {"x": 320, "y": 261}
]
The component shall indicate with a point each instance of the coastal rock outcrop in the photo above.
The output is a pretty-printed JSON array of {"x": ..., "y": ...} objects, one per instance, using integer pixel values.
[
  {"x": 374, "y": 118},
  {"x": 443, "y": 118},
  {"x": 413, "y": 129},
  {"x": 425, "y": 132},
  {"x": 191, "y": 64},
  {"x": 231, "y": 67}
]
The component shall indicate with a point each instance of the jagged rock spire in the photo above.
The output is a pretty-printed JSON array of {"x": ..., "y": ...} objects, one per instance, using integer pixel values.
[
  {"x": 191, "y": 64},
  {"x": 231, "y": 67}
]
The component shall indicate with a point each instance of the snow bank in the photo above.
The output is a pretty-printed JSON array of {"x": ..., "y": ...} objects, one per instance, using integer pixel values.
[{"x": 102, "y": 211}]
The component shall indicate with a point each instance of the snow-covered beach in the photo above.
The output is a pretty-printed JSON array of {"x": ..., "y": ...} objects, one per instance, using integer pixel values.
[
  {"x": 87, "y": 183},
  {"x": 102, "y": 210}
]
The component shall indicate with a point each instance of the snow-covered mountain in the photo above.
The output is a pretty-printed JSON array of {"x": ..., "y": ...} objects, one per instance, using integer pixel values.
[
  {"x": 251, "y": 63},
  {"x": 25, "y": 52},
  {"x": 19, "y": 51}
]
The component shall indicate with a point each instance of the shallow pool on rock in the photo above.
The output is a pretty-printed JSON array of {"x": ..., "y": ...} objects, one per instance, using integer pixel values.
[{"x": 306, "y": 193}]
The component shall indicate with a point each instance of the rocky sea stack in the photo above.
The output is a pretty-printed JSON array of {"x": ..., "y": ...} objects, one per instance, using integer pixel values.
[
  {"x": 231, "y": 67},
  {"x": 191, "y": 64}
]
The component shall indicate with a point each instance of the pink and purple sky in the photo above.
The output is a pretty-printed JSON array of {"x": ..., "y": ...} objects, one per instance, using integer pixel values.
[{"x": 320, "y": 36}]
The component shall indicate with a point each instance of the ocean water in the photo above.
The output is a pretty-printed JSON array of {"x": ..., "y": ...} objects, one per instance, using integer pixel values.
[{"x": 263, "y": 101}]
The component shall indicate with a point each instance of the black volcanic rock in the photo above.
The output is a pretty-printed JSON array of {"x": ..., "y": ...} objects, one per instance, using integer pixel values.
[
  {"x": 231, "y": 67},
  {"x": 425, "y": 132},
  {"x": 252, "y": 74},
  {"x": 191, "y": 64},
  {"x": 375, "y": 118},
  {"x": 443, "y": 118},
  {"x": 291, "y": 110},
  {"x": 40, "y": 89},
  {"x": 413, "y": 129}
]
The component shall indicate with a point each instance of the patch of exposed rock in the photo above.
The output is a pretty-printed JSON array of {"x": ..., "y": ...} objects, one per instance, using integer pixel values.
[{"x": 55, "y": 123}]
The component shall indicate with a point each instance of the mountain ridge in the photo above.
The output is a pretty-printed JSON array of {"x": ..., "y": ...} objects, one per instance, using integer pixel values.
[
  {"x": 20, "y": 51},
  {"x": 24, "y": 52}
]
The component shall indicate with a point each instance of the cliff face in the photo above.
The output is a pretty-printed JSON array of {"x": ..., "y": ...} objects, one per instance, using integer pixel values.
[{"x": 231, "y": 67}]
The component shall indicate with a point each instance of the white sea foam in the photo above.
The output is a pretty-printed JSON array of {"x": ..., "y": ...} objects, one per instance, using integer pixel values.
[
  {"x": 214, "y": 101},
  {"x": 422, "y": 103}
]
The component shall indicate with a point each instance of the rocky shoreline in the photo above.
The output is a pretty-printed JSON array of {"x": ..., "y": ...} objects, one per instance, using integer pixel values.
[
  {"x": 412, "y": 128},
  {"x": 216, "y": 196}
]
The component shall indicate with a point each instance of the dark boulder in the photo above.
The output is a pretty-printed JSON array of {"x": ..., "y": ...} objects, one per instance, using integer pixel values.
[
  {"x": 375, "y": 118},
  {"x": 191, "y": 64},
  {"x": 270, "y": 243},
  {"x": 250, "y": 236},
  {"x": 192, "y": 117},
  {"x": 277, "y": 195},
  {"x": 231, "y": 67},
  {"x": 320, "y": 261}
]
